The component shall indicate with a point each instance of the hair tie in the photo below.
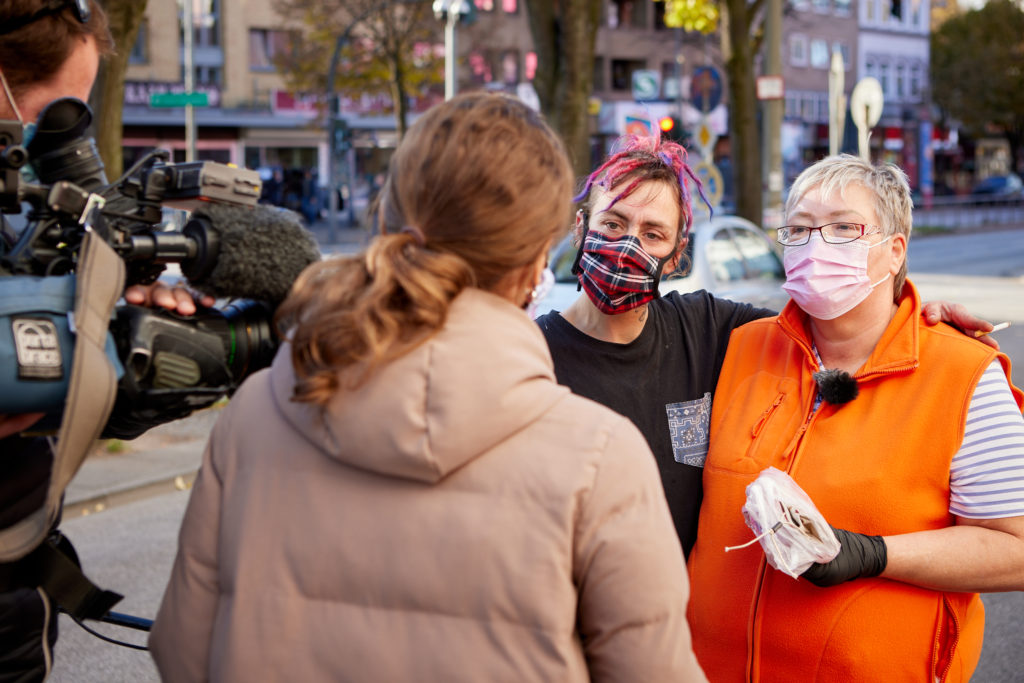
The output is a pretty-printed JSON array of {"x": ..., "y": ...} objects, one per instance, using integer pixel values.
[{"x": 416, "y": 233}]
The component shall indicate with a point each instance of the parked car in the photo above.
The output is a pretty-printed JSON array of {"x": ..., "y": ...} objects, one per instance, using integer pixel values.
[
  {"x": 1009, "y": 185},
  {"x": 727, "y": 255}
]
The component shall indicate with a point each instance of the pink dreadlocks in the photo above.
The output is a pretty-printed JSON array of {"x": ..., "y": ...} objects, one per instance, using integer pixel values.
[{"x": 636, "y": 159}]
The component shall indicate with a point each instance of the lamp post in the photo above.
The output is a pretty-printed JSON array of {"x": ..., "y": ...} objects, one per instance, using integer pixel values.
[{"x": 451, "y": 12}]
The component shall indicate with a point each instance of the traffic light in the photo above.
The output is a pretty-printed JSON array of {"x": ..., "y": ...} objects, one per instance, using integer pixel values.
[{"x": 671, "y": 129}]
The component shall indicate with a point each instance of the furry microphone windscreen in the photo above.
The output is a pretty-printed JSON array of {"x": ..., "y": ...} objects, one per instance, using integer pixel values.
[
  {"x": 262, "y": 250},
  {"x": 836, "y": 386}
]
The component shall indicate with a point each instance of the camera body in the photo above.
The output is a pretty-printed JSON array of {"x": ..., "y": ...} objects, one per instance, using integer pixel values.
[{"x": 168, "y": 365}]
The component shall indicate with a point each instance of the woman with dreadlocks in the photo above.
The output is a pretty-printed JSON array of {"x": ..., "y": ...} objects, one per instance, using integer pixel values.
[{"x": 653, "y": 359}]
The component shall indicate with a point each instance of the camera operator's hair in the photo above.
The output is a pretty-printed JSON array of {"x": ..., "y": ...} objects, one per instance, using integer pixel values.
[
  {"x": 476, "y": 190},
  {"x": 34, "y": 53}
]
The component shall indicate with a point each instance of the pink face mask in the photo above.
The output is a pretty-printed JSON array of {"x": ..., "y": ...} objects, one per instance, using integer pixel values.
[{"x": 827, "y": 280}]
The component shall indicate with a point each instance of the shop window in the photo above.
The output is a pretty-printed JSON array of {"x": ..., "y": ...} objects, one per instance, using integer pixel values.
[{"x": 480, "y": 69}]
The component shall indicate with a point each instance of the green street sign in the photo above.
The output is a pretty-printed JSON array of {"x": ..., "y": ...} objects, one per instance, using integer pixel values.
[{"x": 179, "y": 99}]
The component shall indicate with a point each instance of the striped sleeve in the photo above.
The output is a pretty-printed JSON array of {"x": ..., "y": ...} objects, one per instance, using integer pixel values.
[{"x": 986, "y": 477}]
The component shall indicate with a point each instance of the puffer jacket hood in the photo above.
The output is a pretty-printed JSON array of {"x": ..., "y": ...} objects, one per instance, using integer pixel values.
[{"x": 431, "y": 411}]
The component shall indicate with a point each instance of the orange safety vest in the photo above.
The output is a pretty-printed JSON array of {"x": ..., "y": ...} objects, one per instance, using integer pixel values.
[{"x": 877, "y": 465}]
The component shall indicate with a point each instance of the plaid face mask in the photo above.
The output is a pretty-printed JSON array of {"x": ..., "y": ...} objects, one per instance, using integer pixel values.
[{"x": 617, "y": 274}]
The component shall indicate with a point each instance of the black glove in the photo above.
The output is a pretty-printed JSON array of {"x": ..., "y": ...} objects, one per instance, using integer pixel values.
[{"x": 860, "y": 556}]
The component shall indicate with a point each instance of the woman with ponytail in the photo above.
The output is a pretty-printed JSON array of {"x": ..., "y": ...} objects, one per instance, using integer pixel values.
[{"x": 407, "y": 493}]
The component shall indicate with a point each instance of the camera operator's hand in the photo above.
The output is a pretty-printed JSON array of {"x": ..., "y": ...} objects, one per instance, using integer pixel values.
[
  {"x": 177, "y": 298},
  {"x": 12, "y": 424}
]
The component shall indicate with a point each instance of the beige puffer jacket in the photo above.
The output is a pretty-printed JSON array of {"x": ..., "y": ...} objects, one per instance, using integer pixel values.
[{"x": 461, "y": 517}]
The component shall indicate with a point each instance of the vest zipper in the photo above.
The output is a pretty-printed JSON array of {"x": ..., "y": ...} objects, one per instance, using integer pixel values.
[
  {"x": 956, "y": 641},
  {"x": 793, "y": 447},
  {"x": 759, "y": 425}
]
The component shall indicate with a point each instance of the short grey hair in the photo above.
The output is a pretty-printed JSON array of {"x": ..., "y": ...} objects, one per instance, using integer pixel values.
[{"x": 888, "y": 183}]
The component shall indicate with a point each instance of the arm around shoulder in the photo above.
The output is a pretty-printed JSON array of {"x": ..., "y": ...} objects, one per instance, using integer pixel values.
[{"x": 630, "y": 570}]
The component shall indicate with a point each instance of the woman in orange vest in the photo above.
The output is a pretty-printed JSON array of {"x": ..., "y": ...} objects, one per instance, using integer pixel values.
[{"x": 908, "y": 438}]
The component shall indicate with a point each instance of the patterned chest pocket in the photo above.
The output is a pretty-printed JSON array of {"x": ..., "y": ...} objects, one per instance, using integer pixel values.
[{"x": 689, "y": 426}]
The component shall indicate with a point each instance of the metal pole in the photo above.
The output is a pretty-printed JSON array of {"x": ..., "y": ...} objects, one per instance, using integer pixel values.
[
  {"x": 773, "y": 112},
  {"x": 190, "y": 77},
  {"x": 451, "y": 85}
]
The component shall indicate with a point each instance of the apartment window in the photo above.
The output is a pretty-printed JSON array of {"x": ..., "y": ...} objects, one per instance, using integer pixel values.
[
  {"x": 844, "y": 50},
  {"x": 823, "y": 108},
  {"x": 915, "y": 80},
  {"x": 822, "y": 6},
  {"x": 869, "y": 68},
  {"x": 264, "y": 46},
  {"x": 209, "y": 75},
  {"x": 484, "y": 5},
  {"x": 842, "y": 7},
  {"x": 480, "y": 69},
  {"x": 625, "y": 14},
  {"x": 510, "y": 6},
  {"x": 900, "y": 71},
  {"x": 622, "y": 73},
  {"x": 510, "y": 67},
  {"x": 883, "y": 78},
  {"x": 792, "y": 105},
  {"x": 140, "y": 50},
  {"x": 530, "y": 64},
  {"x": 819, "y": 53},
  {"x": 599, "y": 80},
  {"x": 869, "y": 7},
  {"x": 798, "y": 50},
  {"x": 808, "y": 107},
  {"x": 205, "y": 23}
]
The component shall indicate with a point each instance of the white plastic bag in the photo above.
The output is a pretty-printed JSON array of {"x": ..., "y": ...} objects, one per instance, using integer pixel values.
[{"x": 792, "y": 532}]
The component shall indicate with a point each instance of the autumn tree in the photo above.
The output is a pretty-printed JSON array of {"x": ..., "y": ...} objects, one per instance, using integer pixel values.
[
  {"x": 386, "y": 48},
  {"x": 107, "y": 99},
  {"x": 563, "y": 37},
  {"x": 977, "y": 71},
  {"x": 740, "y": 34}
]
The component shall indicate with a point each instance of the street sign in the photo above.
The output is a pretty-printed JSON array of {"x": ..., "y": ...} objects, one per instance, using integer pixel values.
[
  {"x": 646, "y": 84},
  {"x": 770, "y": 88},
  {"x": 711, "y": 179},
  {"x": 706, "y": 138},
  {"x": 179, "y": 99},
  {"x": 866, "y": 102},
  {"x": 706, "y": 88}
]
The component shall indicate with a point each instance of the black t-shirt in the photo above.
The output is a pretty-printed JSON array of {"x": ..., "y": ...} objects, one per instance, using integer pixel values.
[{"x": 663, "y": 381}]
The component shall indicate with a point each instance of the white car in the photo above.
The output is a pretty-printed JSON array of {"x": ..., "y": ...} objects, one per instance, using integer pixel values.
[{"x": 727, "y": 255}]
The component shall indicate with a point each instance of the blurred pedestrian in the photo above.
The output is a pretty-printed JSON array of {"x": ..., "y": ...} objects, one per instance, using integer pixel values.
[{"x": 407, "y": 494}]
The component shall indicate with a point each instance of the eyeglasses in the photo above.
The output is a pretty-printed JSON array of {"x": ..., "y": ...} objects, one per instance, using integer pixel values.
[
  {"x": 81, "y": 10},
  {"x": 833, "y": 233}
]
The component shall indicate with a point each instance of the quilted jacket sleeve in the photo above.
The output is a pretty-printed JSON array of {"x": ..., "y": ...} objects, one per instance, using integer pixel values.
[{"x": 630, "y": 571}]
